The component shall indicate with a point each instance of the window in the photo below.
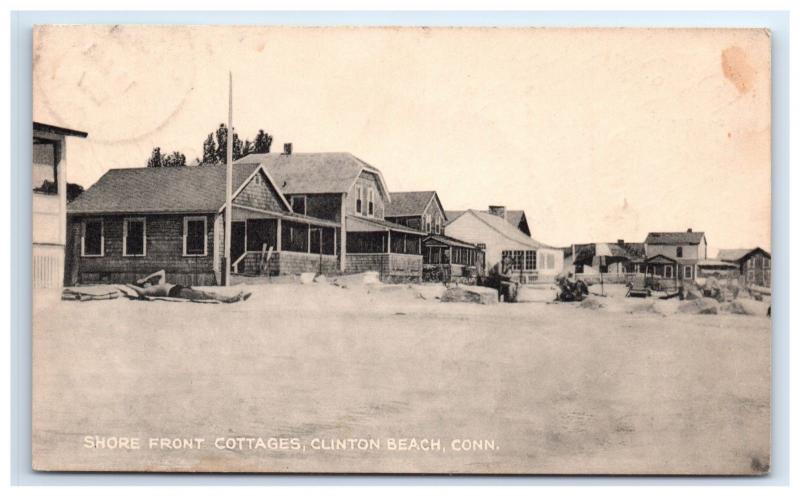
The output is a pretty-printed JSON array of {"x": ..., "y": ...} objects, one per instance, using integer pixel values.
[
  {"x": 687, "y": 272},
  {"x": 520, "y": 260},
  {"x": 751, "y": 276},
  {"x": 45, "y": 173},
  {"x": 438, "y": 224},
  {"x": 679, "y": 252},
  {"x": 299, "y": 204},
  {"x": 668, "y": 271},
  {"x": 134, "y": 237},
  {"x": 371, "y": 202},
  {"x": 530, "y": 260},
  {"x": 194, "y": 236},
  {"x": 358, "y": 199},
  {"x": 428, "y": 223},
  {"x": 92, "y": 242}
]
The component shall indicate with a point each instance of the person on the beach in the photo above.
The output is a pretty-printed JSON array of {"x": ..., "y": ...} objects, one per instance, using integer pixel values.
[{"x": 156, "y": 285}]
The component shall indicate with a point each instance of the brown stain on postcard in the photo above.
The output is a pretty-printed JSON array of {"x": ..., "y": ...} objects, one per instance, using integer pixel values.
[{"x": 737, "y": 69}]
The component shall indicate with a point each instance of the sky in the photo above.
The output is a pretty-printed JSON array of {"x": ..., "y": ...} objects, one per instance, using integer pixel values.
[{"x": 598, "y": 134}]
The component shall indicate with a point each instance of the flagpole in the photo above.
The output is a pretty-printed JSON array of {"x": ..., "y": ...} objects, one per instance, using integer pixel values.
[{"x": 229, "y": 182}]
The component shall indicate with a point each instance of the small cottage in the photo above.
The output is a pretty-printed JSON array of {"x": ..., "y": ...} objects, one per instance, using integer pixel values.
[
  {"x": 531, "y": 261},
  {"x": 49, "y": 204},
  {"x": 133, "y": 222},
  {"x": 754, "y": 265}
]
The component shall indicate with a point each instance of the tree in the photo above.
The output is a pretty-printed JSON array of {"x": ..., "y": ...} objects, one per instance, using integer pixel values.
[
  {"x": 175, "y": 159},
  {"x": 155, "y": 159},
  {"x": 237, "y": 147},
  {"x": 247, "y": 149},
  {"x": 222, "y": 144},
  {"x": 73, "y": 190},
  {"x": 209, "y": 150},
  {"x": 262, "y": 143}
]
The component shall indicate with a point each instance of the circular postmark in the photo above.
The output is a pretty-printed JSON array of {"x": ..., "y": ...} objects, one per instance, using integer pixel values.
[{"x": 100, "y": 76}]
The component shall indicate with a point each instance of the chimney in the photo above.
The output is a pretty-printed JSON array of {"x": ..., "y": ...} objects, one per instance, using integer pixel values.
[
  {"x": 287, "y": 148},
  {"x": 498, "y": 211},
  {"x": 688, "y": 230},
  {"x": 621, "y": 242}
]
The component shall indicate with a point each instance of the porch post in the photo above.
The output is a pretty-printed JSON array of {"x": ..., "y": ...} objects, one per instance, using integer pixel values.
[
  {"x": 278, "y": 237},
  {"x": 308, "y": 238},
  {"x": 389, "y": 241},
  {"x": 343, "y": 231}
]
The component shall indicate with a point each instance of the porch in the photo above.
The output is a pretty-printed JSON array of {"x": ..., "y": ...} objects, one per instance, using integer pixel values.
[
  {"x": 392, "y": 250},
  {"x": 450, "y": 260},
  {"x": 272, "y": 243}
]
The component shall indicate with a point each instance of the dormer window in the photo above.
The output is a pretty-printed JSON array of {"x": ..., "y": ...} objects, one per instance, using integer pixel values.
[
  {"x": 679, "y": 252},
  {"x": 371, "y": 202}
]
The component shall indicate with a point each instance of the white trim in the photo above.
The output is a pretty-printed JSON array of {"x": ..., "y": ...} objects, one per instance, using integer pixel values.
[
  {"x": 690, "y": 275},
  {"x": 186, "y": 220},
  {"x": 102, "y": 238},
  {"x": 359, "y": 193},
  {"x": 305, "y": 203},
  {"x": 382, "y": 183},
  {"x": 125, "y": 236}
]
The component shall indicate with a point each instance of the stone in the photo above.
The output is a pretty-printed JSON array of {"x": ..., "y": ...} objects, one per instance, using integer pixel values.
[
  {"x": 707, "y": 306},
  {"x": 744, "y": 306},
  {"x": 470, "y": 294}
]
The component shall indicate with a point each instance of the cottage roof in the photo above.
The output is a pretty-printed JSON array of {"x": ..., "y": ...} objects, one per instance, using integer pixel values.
[
  {"x": 449, "y": 241},
  {"x": 585, "y": 253},
  {"x": 329, "y": 172},
  {"x": 362, "y": 224},
  {"x": 409, "y": 203},
  {"x": 691, "y": 238},
  {"x": 735, "y": 255},
  {"x": 54, "y": 129},
  {"x": 506, "y": 229},
  {"x": 190, "y": 189},
  {"x": 715, "y": 264},
  {"x": 513, "y": 216}
]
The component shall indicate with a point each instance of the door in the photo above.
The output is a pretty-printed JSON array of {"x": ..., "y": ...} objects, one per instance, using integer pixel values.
[{"x": 238, "y": 232}]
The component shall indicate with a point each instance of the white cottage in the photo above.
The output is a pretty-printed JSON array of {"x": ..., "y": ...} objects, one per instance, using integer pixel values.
[
  {"x": 531, "y": 260},
  {"x": 49, "y": 204}
]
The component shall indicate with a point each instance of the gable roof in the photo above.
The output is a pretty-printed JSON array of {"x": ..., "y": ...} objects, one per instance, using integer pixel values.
[
  {"x": 668, "y": 238},
  {"x": 506, "y": 229},
  {"x": 735, "y": 255},
  {"x": 190, "y": 189},
  {"x": 585, "y": 253},
  {"x": 298, "y": 173},
  {"x": 513, "y": 216},
  {"x": 411, "y": 203}
]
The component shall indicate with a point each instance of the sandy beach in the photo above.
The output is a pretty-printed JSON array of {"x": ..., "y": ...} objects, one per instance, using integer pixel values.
[{"x": 320, "y": 378}]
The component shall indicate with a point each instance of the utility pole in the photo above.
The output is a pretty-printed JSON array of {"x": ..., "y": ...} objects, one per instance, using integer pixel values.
[{"x": 229, "y": 183}]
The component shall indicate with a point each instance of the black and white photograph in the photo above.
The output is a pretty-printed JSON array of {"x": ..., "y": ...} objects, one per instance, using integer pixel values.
[{"x": 401, "y": 250}]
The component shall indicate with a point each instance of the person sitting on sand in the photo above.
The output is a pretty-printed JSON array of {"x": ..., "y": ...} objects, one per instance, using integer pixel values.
[{"x": 156, "y": 285}]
